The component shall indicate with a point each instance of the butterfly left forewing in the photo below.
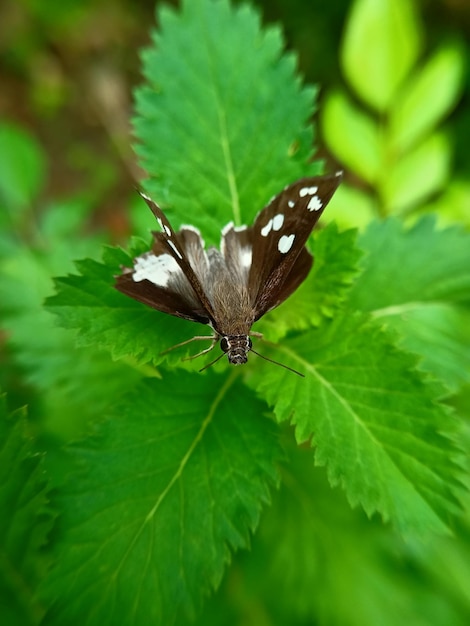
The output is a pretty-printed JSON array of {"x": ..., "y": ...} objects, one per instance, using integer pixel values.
[
  {"x": 280, "y": 261},
  {"x": 175, "y": 248}
]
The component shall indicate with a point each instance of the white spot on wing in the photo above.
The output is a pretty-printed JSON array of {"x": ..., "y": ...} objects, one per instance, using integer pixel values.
[
  {"x": 156, "y": 269},
  {"x": 307, "y": 191},
  {"x": 278, "y": 221},
  {"x": 167, "y": 230},
  {"x": 285, "y": 243},
  {"x": 291, "y": 204},
  {"x": 160, "y": 223},
  {"x": 267, "y": 229},
  {"x": 175, "y": 249},
  {"x": 314, "y": 204}
]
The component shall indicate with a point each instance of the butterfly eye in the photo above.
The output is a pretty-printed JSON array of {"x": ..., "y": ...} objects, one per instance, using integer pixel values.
[{"x": 224, "y": 345}]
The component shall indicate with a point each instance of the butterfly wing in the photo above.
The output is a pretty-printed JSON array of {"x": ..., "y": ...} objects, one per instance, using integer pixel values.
[
  {"x": 169, "y": 277},
  {"x": 280, "y": 261}
]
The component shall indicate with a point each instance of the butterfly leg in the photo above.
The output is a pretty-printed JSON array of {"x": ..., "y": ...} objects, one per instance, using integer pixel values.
[
  {"x": 253, "y": 333},
  {"x": 212, "y": 338}
]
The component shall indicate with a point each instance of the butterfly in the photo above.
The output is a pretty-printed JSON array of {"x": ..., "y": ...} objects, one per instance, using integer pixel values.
[{"x": 228, "y": 289}]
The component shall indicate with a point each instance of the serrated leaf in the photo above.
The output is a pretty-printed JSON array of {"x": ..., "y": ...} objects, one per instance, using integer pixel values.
[
  {"x": 381, "y": 44},
  {"x": 25, "y": 520},
  {"x": 418, "y": 281},
  {"x": 325, "y": 289},
  {"x": 175, "y": 479},
  {"x": 374, "y": 422},
  {"x": 222, "y": 125},
  {"x": 426, "y": 98},
  {"x": 309, "y": 539},
  {"x": 352, "y": 136},
  {"x": 417, "y": 175}
]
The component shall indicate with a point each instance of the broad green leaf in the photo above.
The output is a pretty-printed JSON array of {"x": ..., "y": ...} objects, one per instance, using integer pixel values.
[
  {"x": 381, "y": 44},
  {"x": 374, "y": 422},
  {"x": 418, "y": 281},
  {"x": 325, "y": 288},
  {"x": 22, "y": 168},
  {"x": 426, "y": 98},
  {"x": 174, "y": 480},
  {"x": 420, "y": 173},
  {"x": 25, "y": 520},
  {"x": 223, "y": 117},
  {"x": 311, "y": 540},
  {"x": 352, "y": 136}
]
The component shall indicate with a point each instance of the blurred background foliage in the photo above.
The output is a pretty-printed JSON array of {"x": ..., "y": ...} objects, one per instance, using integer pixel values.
[{"x": 67, "y": 69}]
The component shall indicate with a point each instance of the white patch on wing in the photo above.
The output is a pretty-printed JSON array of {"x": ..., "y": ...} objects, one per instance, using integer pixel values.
[
  {"x": 167, "y": 230},
  {"x": 285, "y": 243},
  {"x": 291, "y": 204},
  {"x": 314, "y": 204},
  {"x": 307, "y": 191},
  {"x": 156, "y": 269},
  {"x": 267, "y": 229},
  {"x": 160, "y": 223},
  {"x": 278, "y": 221}
]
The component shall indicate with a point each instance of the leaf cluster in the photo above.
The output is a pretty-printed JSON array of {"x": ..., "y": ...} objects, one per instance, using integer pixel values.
[
  {"x": 385, "y": 125},
  {"x": 168, "y": 474}
]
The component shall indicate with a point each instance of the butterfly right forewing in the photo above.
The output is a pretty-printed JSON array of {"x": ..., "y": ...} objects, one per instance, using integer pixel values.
[{"x": 280, "y": 260}]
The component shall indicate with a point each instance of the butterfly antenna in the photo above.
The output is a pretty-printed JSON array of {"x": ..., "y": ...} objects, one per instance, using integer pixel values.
[
  {"x": 212, "y": 362},
  {"x": 286, "y": 367}
]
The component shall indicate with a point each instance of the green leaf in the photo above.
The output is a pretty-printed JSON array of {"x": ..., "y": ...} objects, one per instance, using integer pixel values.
[
  {"x": 352, "y": 136},
  {"x": 22, "y": 168},
  {"x": 223, "y": 119},
  {"x": 374, "y": 422},
  {"x": 381, "y": 44},
  {"x": 25, "y": 520},
  {"x": 419, "y": 174},
  {"x": 418, "y": 282},
  {"x": 427, "y": 97},
  {"x": 174, "y": 481},
  {"x": 325, "y": 288}
]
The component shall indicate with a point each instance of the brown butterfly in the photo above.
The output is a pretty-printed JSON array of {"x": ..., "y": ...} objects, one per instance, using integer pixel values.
[{"x": 256, "y": 268}]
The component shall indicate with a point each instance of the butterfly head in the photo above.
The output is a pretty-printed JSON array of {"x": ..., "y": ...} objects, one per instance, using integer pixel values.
[{"x": 236, "y": 347}]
